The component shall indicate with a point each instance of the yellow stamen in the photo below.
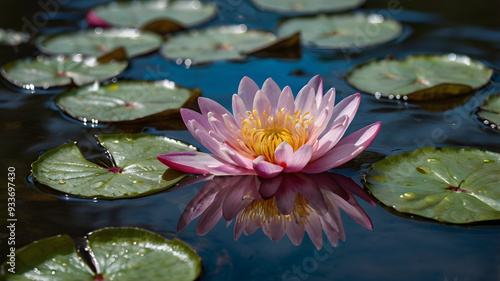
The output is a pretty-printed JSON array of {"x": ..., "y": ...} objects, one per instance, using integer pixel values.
[{"x": 263, "y": 133}]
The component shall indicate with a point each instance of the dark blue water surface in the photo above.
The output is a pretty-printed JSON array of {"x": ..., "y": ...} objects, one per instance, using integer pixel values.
[{"x": 398, "y": 248}]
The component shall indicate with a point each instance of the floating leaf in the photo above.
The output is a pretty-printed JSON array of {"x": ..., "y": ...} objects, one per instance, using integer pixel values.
[
  {"x": 420, "y": 77},
  {"x": 489, "y": 111},
  {"x": 99, "y": 41},
  {"x": 136, "y": 170},
  {"x": 135, "y": 254},
  {"x": 116, "y": 253},
  {"x": 141, "y": 13},
  {"x": 307, "y": 7},
  {"x": 56, "y": 71},
  {"x": 217, "y": 43},
  {"x": 342, "y": 31},
  {"x": 12, "y": 38},
  {"x": 450, "y": 184},
  {"x": 128, "y": 102}
]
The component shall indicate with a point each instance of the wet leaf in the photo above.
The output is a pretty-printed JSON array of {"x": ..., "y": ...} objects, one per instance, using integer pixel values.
[
  {"x": 97, "y": 42},
  {"x": 54, "y": 259},
  {"x": 137, "y": 172},
  {"x": 217, "y": 43},
  {"x": 127, "y": 101},
  {"x": 307, "y": 7},
  {"x": 115, "y": 253},
  {"x": 134, "y": 254},
  {"x": 45, "y": 72},
  {"x": 420, "y": 77},
  {"x": 141, "y": 13},
  {"x": 489, "y": 111},
  {"x": 346, "y": 31},
  {"x": 449, "y": 184}
]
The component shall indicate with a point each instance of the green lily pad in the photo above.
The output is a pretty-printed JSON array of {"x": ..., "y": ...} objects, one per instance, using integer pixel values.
[
  {"x": 45, "y": 72},
  {"x": 99, "y": 41},
  {"x": 420, "y": 77},
  {"x": 12, "y": 38},
  {"x": 489, "y": 111},
  {"x": 307, "y": 7},
  {"x": 345, "y": 31},
  {"x": 115, "y": 253},
  {"x": 217, "y": 43},
  {"x": 136, "y": 171},
  {"x": 139, "y": 101},
  {"x": 449, "y": 184},
  {"x": 140, "y": 13}
]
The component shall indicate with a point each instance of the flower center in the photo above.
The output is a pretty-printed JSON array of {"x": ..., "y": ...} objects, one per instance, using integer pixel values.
[
  {"x": 263, "y": 133},
  {"x": 264, "y": 211}
]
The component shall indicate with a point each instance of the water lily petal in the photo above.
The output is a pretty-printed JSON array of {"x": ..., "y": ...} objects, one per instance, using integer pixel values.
[
  {"x": 317, "y": 84},
  {"x": 331, "y": 138},
  {"x": 261, "y": 103},
  {"x": 194, "y": 120},
  {"x": 347, "y": 107},
  {"x": 345, "y": 150},
  {"x": 266, "y": 169},
  {"x": 209, "y": 218},
  {"x": 239, "y": 109},
  {"x": 315, "y": 230},
  {"x": 246, "y": 91},
  {"x": 238, "y": 199},
  {"x": 202, "y": 200},
  {"x": 286, "y": 195},
  {"x": 200, "y": 163},
  {"x": 286, "y": 101},
  {"x": 272, "y": 92},
  {"x": 306, "y": 100},
  {"x": 268, "y": 187},
  {"x": 299, "y": 159},
  {"x": 274, "y": 230},
  {"x": 295, "y": 232}
]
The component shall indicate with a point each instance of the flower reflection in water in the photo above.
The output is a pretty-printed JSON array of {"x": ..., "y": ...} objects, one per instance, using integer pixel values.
[{"x": 290, "y": 204}]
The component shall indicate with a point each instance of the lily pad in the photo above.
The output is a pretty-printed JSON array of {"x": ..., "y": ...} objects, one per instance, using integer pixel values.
[
  {"x": 99, "y": 41},
  {"x": 127, "y": 102},
  {"x": 420, "y": 77},
  {"x": 136, "y": 171},
  {"x": 307, "y": 7},
  {"x": 217, "y": 43},
  {"x": 449, "y": 184},
  {"x": 45, "y": 72},
  {"x": 489, "y": 111},
  {"x": 346, "y": 31},
  {"x": 141, "y": 13},
  {"x": 114, "y": 253},
  {"x": 12, "y": 38}
]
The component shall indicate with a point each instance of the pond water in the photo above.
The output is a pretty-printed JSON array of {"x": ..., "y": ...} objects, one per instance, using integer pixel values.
[{"x": 399, "y": 247}]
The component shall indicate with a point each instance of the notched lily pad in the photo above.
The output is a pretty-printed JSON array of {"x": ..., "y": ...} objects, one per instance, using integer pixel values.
[
  {"x": 232, "y": 42},
  {"x": 46, "y": 72},
  {"x": 135, "y": 171},
  {"x": 449, "y": 184},
  {"x": 346, "y": 31},
  {"x": 307, "y": 7},
  {"x": 489, "y": 111},
  {"x": 167, "y": 15},
  {"x": 98, "y": 41},
  {"x": 114, "y": 253},
  {"x": 420, "y": 77},
  {"x": 152, "y": 103}
]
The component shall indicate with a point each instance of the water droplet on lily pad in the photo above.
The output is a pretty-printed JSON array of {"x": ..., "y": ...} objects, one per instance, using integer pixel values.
[
  {"x": 420, "y": 77},
  {"x": 152, "y": 258},
  {"x": 439, "y": 189},
  {"x": 86, "y": 179}
]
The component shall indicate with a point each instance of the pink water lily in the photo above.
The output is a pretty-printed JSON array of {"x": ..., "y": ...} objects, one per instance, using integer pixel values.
[
  {"x": 289, "y": 204},
  {"x": 271, "y": 132}
]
